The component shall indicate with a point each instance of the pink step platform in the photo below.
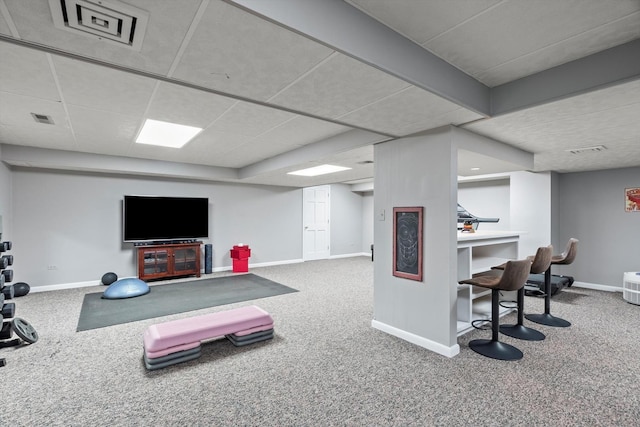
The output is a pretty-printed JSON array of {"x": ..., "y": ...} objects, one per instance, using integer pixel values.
[{"x": 179, "y": 336}]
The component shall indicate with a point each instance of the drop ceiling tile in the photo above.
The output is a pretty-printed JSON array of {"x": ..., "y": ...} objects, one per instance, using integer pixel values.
[
  {"x": 167, "y": 26},
  {"x": 406, "y": 112},
  {"x": 619, "y": 153},
  {"x": 607, "y": 113},
  {"x": 288, "y": 136},
  {"x": 103, "y": 132},
  {"x": 103, "y": 88},
  {"x": 512, "y": 30},
  {"x": 338, "y": 86},
  {"x": 420, "y": 21},
  {"x": 299, "y": 132},
  {"x": 251, "y": 119},
  {"x": 45, "y": 136},
  {"x": 4, "y": 27},
  {"x": 587, "y": 43},
  {"x": 187, "y": 106},
  {"x": 26, "y": 72},
  {"x": 15, "y": 110},
  {"x": 236, "y": 52}
]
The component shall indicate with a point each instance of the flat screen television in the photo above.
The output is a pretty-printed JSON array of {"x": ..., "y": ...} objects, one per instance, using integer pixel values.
[{"x": 161, "y": 218}]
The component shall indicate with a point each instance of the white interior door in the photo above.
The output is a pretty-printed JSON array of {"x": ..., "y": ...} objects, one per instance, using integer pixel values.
[{"x": 316, "y": 212}]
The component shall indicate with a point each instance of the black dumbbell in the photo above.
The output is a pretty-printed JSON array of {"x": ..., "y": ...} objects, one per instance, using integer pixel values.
[
  {"x": 6, "y": 332},
  {"x": 8, "y": 292},
  {"x": 8, "y": 310},
  {"x": 8, "y": 275},
  {"x": 5, "y": 246},
  {"x": 6, "y": 260}
]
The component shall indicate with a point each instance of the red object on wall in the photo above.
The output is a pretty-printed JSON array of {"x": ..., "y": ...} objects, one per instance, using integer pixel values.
[{"x": 240, "y": 256}]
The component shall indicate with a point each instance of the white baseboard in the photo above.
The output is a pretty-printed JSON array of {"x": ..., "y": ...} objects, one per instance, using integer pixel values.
[
  {"x": 74, "y": 285},
  {"x": 99, "y": 283},
  {"x": 417, "y": 340},
  {"x": 597, "y": 287},
  {"x": 350, "y": 255}
]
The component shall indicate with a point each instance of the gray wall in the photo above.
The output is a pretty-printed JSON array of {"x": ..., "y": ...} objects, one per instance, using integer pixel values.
[
  {"x": 367, "y": 221},
  {"x": 67, "y": 226},
  {"x": 590, "y": 207},
  {"x": 418, "y": 171},
  {"x": 488, "y": 199},
  {"x": 5, "y": 199},
  {"x": 346, "y": 228}
]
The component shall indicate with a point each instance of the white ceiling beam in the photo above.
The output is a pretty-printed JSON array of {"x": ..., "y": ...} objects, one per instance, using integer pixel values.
[
  {"x": 44, "y": 158},
  {"x": 300, "y": 156},
  {"x": 613, "y": 66},
  {"x": 346, "y": 29}
]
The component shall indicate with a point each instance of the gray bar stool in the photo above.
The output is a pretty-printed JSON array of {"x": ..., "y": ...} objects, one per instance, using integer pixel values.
[
  {"x": 540, "y": 263},
  {"x": 565, "y": 258},
  {"x": 513, "y": 278}
]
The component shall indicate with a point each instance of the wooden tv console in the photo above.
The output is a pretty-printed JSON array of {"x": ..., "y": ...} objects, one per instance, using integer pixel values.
[{"x": 167, "y": 260}]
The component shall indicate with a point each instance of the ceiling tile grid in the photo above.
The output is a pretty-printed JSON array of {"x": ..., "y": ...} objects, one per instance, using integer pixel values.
[
  {"x": 241, "y": 54},
  {"x": 408, "y": 111},
  {"x": 422, "y": 21},
  {"x": 338, "y": 86},
  {"x": 26, "y": 72},
  {"x": 266, "y": 90},
  {"x": 112, "y": 134},
  {"x": 513, "y": 29},
  {"x": 187, "y": 106},
  {"x": 101, "y": 88},
  {"x": 578, "y": 46},
  {"x": 167, "y": 26}
]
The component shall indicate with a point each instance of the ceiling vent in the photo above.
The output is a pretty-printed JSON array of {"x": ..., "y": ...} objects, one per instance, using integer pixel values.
[
  {"x": 107, "y": 20},
  {"x": 41, "y": 118},
  {"x": 583, "y": 150}
]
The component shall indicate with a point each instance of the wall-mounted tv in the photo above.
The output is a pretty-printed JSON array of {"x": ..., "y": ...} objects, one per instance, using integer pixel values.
[{"x": 161, "y": 218}]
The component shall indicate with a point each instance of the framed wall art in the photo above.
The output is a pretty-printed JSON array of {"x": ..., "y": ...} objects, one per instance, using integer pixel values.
[
  {"x": 632, "y": 199},
  {"x": 407, "y": 243}
]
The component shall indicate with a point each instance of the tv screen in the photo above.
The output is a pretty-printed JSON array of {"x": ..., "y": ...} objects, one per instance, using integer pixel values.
[{"x": 155, "y": 218}]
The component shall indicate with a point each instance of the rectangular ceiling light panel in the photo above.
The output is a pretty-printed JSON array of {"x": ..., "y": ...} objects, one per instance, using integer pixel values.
[
  {"x": 319, "y": 170},
  {"x": 108, "y": 20},
  {"x": 165, "y": 134}
]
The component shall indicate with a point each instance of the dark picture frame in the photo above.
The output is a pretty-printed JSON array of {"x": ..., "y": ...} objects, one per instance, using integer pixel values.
[{"x": 407, "y": 242}]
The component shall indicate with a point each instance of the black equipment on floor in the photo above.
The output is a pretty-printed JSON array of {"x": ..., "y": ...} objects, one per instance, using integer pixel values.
[
  {"x": 22, "y": 328},
  {"x": 535, "y": 284}
]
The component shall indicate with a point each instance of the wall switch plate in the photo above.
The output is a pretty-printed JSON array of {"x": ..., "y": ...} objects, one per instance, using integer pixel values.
[{"x": 381, "y": 215}]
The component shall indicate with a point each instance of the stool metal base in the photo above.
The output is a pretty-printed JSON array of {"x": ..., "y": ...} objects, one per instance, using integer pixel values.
[
  {"x": 548, "y": 319},
  {"x": 495, "y": 349},
  {"x": 522, "y": 332}
]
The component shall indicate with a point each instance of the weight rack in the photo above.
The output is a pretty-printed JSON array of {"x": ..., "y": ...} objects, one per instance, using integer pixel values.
[{"x": 10, "y": 323}]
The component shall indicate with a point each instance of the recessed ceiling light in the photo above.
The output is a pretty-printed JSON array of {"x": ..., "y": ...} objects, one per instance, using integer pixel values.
[
  {"x": 165, "y": 134},
  {"x": 475, "y": 169},
  {"x": 319, "y": 170}
]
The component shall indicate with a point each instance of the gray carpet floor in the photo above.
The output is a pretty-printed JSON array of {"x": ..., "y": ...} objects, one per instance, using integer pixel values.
[{"x": 326, "y": 366}]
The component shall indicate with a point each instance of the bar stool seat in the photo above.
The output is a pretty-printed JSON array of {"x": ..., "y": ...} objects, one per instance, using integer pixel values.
[
  {"x": 513, "y": 278},
  {"x": 540, "y": 263}
]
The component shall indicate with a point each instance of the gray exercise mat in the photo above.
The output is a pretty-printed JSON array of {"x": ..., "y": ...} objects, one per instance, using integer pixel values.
[{"x": 176, "y": 298}]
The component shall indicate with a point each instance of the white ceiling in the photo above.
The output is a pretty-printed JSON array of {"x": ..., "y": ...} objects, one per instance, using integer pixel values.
[{"x": 275, "y": 95}]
